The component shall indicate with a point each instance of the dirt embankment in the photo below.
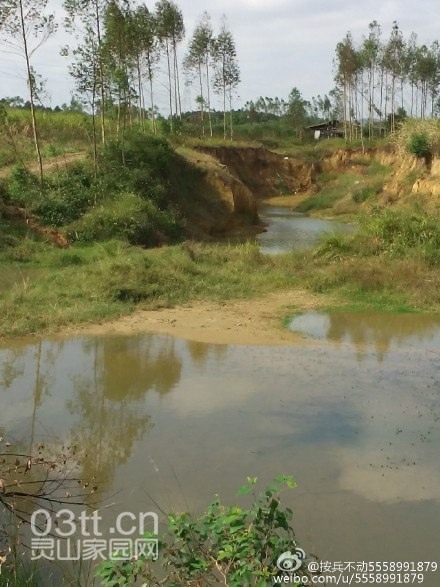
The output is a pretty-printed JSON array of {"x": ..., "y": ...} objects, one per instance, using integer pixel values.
[
  {"x": 411, "y": 180},
  {"x": 226, "y": 206},
  {"x": 235, "y": 178},
  {"x": 265, "y": 173}
]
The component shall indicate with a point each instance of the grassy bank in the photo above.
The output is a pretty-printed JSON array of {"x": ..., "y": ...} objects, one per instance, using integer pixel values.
[
  {"x": 144, "y": 195},
  {"x": 391, "y": 264},
  {"x": 101, "y": 281},
  {"x": 344, "y": 192}
]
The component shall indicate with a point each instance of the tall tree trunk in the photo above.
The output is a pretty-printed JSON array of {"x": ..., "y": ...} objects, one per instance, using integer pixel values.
[
  {"x": 150, "y": 79},
  {"x": 208, "y": 95},
  {"x": 230, "y": 115},
  {"x": 344, "y": 99},
  {"x": 101, "y": 71},
  {"x": 202, "y": 122},
  {"x": 31, "y": 84},
  {"x": 139, "y": 76},
  {"x": 167, "y": 50},
  {"x": 177, "y": 83},
  {"x": 224, "y": 105},
  {"x": 95, "y": 146}
]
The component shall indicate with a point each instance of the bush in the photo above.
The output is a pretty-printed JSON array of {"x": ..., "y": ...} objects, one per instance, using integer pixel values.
[
  {"x": 232, "y": 546},
  {"x": 419, "y": 145},
  {"x": 128, "y": 217},
  {"x": 364, "y": 193},
  {"x": 23, "y": 186}
]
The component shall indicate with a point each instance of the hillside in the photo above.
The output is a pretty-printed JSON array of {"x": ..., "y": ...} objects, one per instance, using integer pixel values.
[{"x": 126, "y": 231}]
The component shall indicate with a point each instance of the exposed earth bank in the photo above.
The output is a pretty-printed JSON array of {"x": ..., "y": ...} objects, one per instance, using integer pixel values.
[{"x": 270, "y": 175}]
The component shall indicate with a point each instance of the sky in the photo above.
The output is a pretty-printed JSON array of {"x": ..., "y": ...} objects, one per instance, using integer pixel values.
[{"x": 281, "y": 44}]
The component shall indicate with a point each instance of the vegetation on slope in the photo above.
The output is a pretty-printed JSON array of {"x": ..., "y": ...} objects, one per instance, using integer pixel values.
[
  {"x": 142, "y": 192},
  {"x": 392, "y": 262}
]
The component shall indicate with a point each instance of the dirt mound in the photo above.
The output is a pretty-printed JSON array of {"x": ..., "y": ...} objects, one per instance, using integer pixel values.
[{"x": 19, "y": 216}]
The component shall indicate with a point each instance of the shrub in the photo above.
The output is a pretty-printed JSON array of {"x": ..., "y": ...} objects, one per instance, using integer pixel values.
[
  {"x": 418, "y": 145},
  {"x": 419, "y": 133},
  {"x": 129, "y": 217},
  {"x": 23, "y": 186},
  {"x": 235, "y": 546},
  {"x": 66, "y": 196},
  {"x": 364, "y": 193}
]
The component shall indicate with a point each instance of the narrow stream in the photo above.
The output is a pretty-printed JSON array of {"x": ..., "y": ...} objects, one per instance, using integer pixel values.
[{"x": 288, "y": 230}]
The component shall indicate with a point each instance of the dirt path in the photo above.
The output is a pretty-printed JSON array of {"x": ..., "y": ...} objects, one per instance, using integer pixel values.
[
  {"x": 247, "y": 322},
  {"x": 48, "y": 164}
]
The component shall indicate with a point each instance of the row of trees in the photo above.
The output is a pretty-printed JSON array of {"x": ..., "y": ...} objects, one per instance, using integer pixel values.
[
  {"x": 121, "y": 51},
  {"x": 121, "y": 48},
  {"x": 385, "y": 79}
]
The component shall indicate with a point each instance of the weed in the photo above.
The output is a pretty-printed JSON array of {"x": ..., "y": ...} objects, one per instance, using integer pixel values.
[
  {"x": 411, "y": 177},
  {"x": 231, "y": 545},
  {"x": 330, "y": 194}
]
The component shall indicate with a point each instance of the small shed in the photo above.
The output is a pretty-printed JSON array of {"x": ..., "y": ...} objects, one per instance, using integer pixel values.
[{"x": 332, "y": 128}]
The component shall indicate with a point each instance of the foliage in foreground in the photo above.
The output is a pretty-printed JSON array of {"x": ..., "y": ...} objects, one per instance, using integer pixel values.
[{"x": 228, "y": 545}]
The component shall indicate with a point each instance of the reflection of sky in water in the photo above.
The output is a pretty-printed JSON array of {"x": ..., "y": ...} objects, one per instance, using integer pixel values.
[
  {"x": 381, "y": 329},
  {"x": 287, "y": 230},
  {"x": 181, "y": 421}
]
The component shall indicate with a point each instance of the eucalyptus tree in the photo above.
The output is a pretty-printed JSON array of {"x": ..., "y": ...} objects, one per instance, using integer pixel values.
[
  {"x": 393, "y": 60},
  {"x": 434, "y": 78},
  {"x": 147, "y": 50},
  {"x": 427, "y": 73},
  {"x": 25, "y": 25},
  {"x": 297, "y": 111},
  {"x": 197, "y": 60},
  {"x": 260, "y": 105},
  {"x": 171, "y": 32},
  {"x": 84, "y": 70},
  {"x": 118, "y": 54},
  {"x": 226, "y": 71},
  {"x": 411, "y": 56},
  {"x": 85, "y": 20},
  {"x": 348, "y": 62},
  {"x": 370, "y": 52},
  {"x": 326, "y": 107}
]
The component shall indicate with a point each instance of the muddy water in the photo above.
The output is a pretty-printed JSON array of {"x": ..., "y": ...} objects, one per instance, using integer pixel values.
[
  {"x": 379, "y": 329},
  {"x": 287, "y": 230},
  {"x": 180, "y": 421}
]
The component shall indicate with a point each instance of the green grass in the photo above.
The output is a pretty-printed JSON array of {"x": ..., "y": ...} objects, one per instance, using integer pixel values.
[
  {"x": 105, "y": 280},
  {"x": 90, "y": 284},
  {"x": 362, "y": 185},
  {"x": 330, "y": 194}
]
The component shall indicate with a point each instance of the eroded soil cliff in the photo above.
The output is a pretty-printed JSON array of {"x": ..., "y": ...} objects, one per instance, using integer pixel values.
[{"x": 266, "y": 174}]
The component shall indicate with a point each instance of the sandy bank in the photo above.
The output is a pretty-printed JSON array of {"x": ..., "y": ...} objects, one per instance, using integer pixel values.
[{"x": 257, "y": 321}]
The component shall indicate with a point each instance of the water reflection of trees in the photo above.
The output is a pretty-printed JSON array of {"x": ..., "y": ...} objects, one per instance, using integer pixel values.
[
  {"x": 36, "y": 362},
  {"x": 380, "y": 329},
  {"x": 109, "y": 398},
  {"x": 111, "y": 377},
  {"x": 200, "y": 351}
]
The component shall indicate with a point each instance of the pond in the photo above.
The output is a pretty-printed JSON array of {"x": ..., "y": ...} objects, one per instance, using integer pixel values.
[
  {"x": 161, "y": 423},
  {"x": 355, "y": 421},
  {"x": 287, "y": 230}
]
